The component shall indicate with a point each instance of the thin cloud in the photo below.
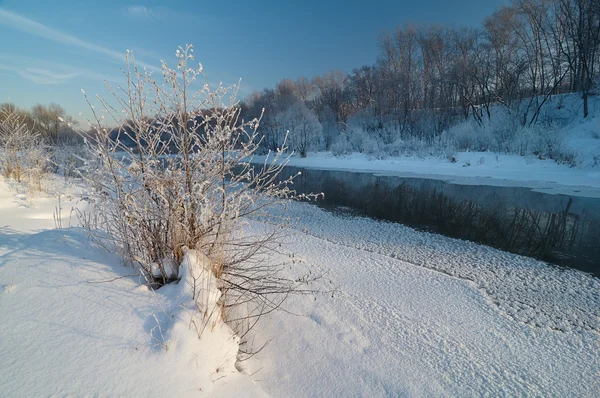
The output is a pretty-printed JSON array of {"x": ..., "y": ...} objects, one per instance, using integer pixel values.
[
  {"x": 167, "y": 14},
  {"x": 41, "y": 71},
  {"x": 15, "y": 21},
  {"x": 39, "y": 75},
  {"x": 140, "y": 12},
  {"x": 44, "y": 76}
]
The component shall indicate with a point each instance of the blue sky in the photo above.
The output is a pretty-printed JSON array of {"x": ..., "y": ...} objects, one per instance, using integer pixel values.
[{"x": 50, "y": 50}]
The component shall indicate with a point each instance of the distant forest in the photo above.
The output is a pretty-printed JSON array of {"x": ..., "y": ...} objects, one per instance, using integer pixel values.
[{"x": 427, "y": 79}]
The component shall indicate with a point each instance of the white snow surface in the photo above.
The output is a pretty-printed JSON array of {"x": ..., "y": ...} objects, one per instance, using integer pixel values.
[
  {"x": 484, "y": 168},
  {"x": 73, "y": 323},
  {"x": 417, "y": 314},
  {"x": 412, "y": 314}
]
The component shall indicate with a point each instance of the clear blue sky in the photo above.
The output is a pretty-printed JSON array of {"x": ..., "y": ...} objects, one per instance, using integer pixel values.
[{"x": 51, "y": 49}]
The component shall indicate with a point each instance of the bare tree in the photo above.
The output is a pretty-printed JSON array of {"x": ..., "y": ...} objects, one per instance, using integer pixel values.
[
  {"x": 332, "y": 91},
  {"x": 49, "y": 119},
  {"x": 581, "y": 21},
  {"x": 305, "y": 90},
  {"x": 400, "y": 65}
]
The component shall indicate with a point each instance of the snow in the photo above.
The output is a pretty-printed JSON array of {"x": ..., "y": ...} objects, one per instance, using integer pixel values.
[
  {"x": 584, "y": 138},
  {"x": 411, "y": 313},
  {"x": 74, "y": 323},
  {"x": 418, "y": 314},
  {"x": 484, "y": 168}
]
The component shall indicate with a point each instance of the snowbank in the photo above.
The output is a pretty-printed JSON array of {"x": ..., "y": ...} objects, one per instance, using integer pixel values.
[
  {"x": 74, "y": 322},
  {"x": 476, "y": 168}
]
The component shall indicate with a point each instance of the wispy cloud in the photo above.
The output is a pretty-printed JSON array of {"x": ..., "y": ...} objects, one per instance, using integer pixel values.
[
  {"x": 39, "y": 75},
  {"x": 44, "y": 76},
  {"x": 41, "y": 71},
  {"x": 168, "y": 15},
  {"x": 16, "y": 21},
  {"x": 140, "y": 12}
]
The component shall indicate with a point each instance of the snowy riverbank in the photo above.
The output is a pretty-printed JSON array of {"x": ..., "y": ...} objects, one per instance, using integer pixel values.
[
  {"x": 487, "y": 168},
  {"x": 470, "y": 168}
]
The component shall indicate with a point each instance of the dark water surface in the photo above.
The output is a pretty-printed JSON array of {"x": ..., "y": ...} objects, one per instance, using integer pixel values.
[{"x": 557, "y": 228}]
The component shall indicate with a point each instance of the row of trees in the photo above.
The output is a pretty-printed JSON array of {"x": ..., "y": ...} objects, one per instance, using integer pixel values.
[
  {"x": 51, "y": 121},
  {"x": 427, "y": 78}
]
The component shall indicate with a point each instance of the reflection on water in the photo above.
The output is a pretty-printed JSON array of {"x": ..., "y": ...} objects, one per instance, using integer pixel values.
[{"x": 560, "y": 229}]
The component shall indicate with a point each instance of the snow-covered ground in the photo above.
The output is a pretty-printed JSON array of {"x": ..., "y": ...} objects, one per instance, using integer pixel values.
[
  {"x": 412, "y": 313},
  {"x": 73, "y": 323},
  {"x": 418, "y": 314}
]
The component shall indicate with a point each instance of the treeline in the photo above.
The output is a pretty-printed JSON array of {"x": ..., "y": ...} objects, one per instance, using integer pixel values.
[
  {"x": 50, "y": 122},
  {"x": 429, "y": 78}
]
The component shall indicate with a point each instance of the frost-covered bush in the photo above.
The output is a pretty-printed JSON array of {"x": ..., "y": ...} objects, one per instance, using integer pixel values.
[
  {"x": 489, "y": 134},
  {"x": 24, "y": 155},
  {"x": 371, "y": 146},
  {"x": 503, "y": 134},
  {"x": 470, "y": 136},
  {"x": 425, "y": 125},
  {"x": 341, "y": 145},
  {"x": 363, "y": 120},
  {"x": 436, "y": 147},
  {"x": 67, "y": 160},
  {"x": 357, "y": 137},
  {"x": 186, "y": 182},
  {"x": 302, "y": 126},
  {"x": 544, "y": 143}
]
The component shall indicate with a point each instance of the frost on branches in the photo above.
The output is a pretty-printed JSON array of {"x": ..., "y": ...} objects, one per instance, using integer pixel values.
[
  {"x": 303, "y": 126},
  {"x": 175, "y": 174},
  {"x": 23, "y": 155}
]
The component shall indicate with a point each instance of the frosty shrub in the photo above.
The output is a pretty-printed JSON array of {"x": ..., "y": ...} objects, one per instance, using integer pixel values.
[
  {"x": 341, "y": 145},
  {"x": 175, "y": 175},
  {"x": 371, "y": 147},
  {"x": 503, "y": 134},
  {"x": 357, "y": 137},
  {"x": 364, "y": 142},
  {"x": 436, "y": 147},
  {"x": 425, "y": 125},
  {"x": 68, "y": 160},
  {"x": 544, "y": 143},
  {"x": 23, "y": 153},
  {"x": 470, "y": 136},
  {"x": 303, "y": 127}
]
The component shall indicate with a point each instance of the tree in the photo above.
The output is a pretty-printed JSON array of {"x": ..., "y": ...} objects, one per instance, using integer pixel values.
[
  {"x": 304, "y": 129},
  {"x": 305, "y": 90},
  {"x": 540, "y": 44},
  {"x": 49, "y": 120},
  {"x": 400, "y": 64},
  {"x": 332, "y": 90},
  {"x": 508, "y": 66},
  {"x": 581, "y": 22},
  {"x": 362, "y": 86}
]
